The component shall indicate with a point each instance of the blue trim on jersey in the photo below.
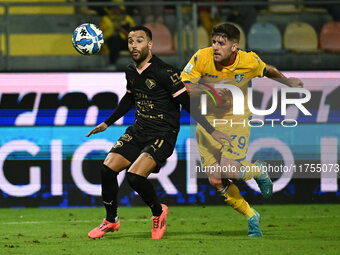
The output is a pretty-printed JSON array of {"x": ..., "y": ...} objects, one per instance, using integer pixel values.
[
  {"x": 244, "y": 50},
  {"x": 264, "y": 71},
  {"x": 238, "y": 160},
  {"x": 187, "y": 81}
]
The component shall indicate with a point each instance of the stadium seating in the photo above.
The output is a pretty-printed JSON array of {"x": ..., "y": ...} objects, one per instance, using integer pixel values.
[
  {"x": 329, "y": 37},
  {"x": 44, "y": 41},
  {"x": 37, "y": 9},
  {"x": 202, "y": 39},
  {"x": 300, "y": 37},
  {"x": 284, "y": 8},
  {"x": 41, "y": 45},
  {"x": 51, "y": 28},
  {"x": 49, "y": 23},
  {"x": 281, "y": 20},
  {"x": 46, "y": 34},
  {"x": 264, "y": 37},
  {"x": 170, "y": 21},
  {"x": 162, "y": 39}
]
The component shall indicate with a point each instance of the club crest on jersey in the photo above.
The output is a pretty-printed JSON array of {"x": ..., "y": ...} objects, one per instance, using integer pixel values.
[
  {"x": 150, "y": 83},
  {"x": 202, "y": 160},
  {"x": 239, "y": 77}
]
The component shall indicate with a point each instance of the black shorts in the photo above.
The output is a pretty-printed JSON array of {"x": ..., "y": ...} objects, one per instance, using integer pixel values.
[{"x": 134, "y": 142}]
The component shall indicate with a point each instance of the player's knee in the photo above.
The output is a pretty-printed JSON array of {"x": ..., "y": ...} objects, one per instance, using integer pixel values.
[
  {"x": 105, "y": 170},
  {"x": 108, "y": 180},
  {"x": 116, "y": 162},
  {"x": 231, "y": 175},
  {"x": 111, "y": 164},
  {"x": 216, "y": 183},
  {"x": 133, "y": 178},
  {"x": 231, "y": 168}
]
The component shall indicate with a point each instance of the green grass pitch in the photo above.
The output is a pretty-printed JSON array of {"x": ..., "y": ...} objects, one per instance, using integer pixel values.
[{"x": 287, "y": 229}]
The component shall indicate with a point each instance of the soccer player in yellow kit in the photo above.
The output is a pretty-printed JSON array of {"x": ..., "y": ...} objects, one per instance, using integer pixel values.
[{"x": 225, "y": 63}]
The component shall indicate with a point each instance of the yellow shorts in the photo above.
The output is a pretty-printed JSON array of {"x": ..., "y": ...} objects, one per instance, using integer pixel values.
[{"x": 212, "y": 151}]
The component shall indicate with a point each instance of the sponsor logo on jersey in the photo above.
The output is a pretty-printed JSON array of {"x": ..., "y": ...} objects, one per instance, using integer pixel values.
[
  {"x": 118, "y": 144},
  {"x": 150, "y": 83},
  {"x": 126, "y": 137}
]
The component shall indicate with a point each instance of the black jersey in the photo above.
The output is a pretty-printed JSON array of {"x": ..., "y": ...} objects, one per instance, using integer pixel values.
[{"x": 154, "y": 90}]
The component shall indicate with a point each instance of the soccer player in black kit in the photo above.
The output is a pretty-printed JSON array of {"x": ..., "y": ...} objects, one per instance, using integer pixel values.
[{"x": 156, "y": 91}]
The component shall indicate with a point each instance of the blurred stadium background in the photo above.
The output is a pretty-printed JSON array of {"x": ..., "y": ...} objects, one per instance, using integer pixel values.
[{"x": 51, "y": 96}]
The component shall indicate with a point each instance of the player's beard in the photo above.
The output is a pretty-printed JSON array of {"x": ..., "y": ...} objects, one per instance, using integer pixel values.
[
  {"x": 143, "y": 54},
  {"x": 226, "y": 60}
]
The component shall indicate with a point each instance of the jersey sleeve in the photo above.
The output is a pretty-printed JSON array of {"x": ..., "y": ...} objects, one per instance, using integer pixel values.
[
  {"x": 128, "y": 84},
  {"x": 171, "y": 81},
  {"x": 191, "y": 72},
  {"x": 260, "y": 66}
]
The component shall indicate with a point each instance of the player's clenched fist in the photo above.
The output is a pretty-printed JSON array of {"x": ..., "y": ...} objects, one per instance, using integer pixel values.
[
  {"x": 100, "y": 128},
  {"x": 295, "y": 82}
]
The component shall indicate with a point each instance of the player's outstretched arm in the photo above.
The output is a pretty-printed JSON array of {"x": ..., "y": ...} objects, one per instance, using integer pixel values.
[
  {"x": 184, "y": 100},
  {"x": 125, "y": 104},
  {"x": 273, "y": 73}
]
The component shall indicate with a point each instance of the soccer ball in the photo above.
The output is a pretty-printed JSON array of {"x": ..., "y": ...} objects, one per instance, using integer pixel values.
[{"x": 87, "y": 39}]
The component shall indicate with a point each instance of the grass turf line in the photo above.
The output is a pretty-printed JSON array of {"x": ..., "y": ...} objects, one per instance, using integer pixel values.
[{"x": 287, "y": 229}]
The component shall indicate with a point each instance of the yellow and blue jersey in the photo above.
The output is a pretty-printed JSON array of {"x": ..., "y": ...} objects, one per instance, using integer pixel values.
[{"x": 202, "y": 69}]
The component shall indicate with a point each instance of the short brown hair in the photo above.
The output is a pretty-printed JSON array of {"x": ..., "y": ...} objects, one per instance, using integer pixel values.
[
  {"x": 142, "y": 28},
  {"x": 228, "y": 30}
]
